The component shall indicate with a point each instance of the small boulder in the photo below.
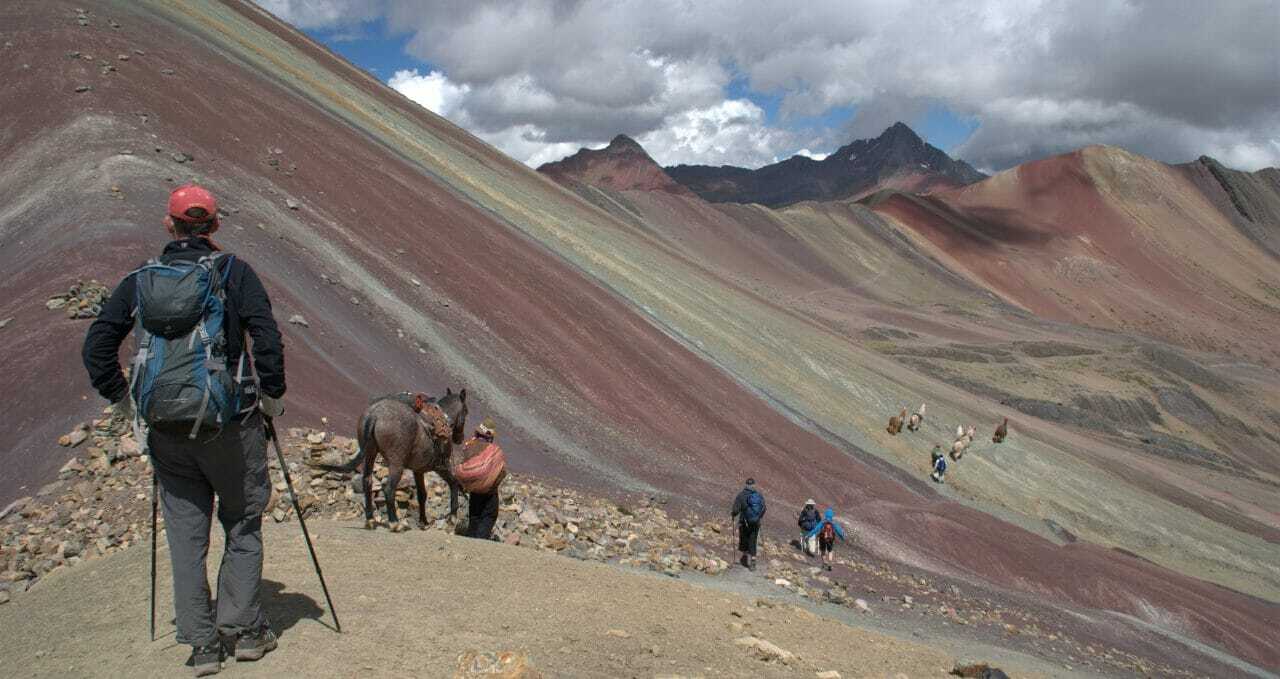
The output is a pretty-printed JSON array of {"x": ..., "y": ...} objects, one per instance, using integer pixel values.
[
  {"x": 83, "y": 88},
  {"x": 75, "y": 437},
  {"x": 765, "y": 650},
  {"x": 292, "y": 204},
  {"x": 530, "y": 518},
  {"x": 977, "y": 670},
  {"x": 297, "y": 319}
]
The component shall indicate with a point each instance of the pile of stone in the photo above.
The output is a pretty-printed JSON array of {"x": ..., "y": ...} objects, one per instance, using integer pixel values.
[
  {"x": 98, "y": 505},
  {"x": 82, "y": 300},
  {"x": 533, "y": 514}
]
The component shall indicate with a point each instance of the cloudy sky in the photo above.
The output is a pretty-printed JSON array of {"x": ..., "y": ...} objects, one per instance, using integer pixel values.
[{"x": 744, "y": 82}]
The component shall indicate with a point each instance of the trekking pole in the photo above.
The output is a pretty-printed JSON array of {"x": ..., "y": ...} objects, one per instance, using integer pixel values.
[
  {"x": 284, "y": 469},
  {"x": 155, "y": 487}
]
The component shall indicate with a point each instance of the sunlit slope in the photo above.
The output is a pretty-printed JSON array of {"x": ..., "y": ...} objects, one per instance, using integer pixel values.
[
  {"x": 561, "y": 315},
  {"x": 1111, "y": 239},
  {"x": 805, "y": 367}
]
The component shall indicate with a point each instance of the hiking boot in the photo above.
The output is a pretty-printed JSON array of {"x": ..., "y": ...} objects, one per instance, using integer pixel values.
[
  {"x": 752, "y": 566},
  {"x": 744, "y": 561},
  {"x": 207, "y": 659},
  {"x": 253, "y": 644}
]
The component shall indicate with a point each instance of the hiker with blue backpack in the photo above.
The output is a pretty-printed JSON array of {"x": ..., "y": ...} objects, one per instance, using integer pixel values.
[
  {"x": 827, "y": 531},
  {"x": 201, "y": 392},
  {"x": 939, "y": 464},
  {"x": 748, "y": 510}
]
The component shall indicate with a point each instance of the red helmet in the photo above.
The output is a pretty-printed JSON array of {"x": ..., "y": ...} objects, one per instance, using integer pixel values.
[{"x": 191, "y": 203}]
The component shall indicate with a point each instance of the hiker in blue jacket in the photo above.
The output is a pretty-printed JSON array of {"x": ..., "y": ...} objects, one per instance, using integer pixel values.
[
  {"x": 939, "y": 464},
  {"x": 748, "y": 509},
  {"x": 827, "y": 531}
]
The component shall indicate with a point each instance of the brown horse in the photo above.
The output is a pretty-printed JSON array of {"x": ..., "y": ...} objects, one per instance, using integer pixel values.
[{"x": 410, "y": 432}]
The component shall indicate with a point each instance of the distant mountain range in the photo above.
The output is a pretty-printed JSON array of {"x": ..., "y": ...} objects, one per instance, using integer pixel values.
[{"x": 897, "y": 159}]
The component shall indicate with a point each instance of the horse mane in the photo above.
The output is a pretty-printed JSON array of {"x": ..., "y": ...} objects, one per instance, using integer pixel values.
[{"x": 451, "y": 404}]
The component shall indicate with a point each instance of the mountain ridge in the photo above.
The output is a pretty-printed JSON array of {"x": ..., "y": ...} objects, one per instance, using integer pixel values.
[
  {"x": 622, "y": 165},
  {"x": 898, "y": 158}
]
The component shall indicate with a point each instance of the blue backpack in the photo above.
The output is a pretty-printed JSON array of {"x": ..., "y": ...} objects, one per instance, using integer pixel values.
[
  {"x": 755, "y": 507},
  {"x": 180, "y": 380}
]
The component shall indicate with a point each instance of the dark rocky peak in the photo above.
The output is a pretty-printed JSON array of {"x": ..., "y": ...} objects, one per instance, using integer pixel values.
[{"x": 624, "y": 144}]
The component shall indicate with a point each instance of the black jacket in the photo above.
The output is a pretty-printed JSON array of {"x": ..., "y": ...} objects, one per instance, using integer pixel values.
[
  {"x": 809, "y": 518},
  {"x": 247, "y": 310},
  {"x": 740, "y": 504}
]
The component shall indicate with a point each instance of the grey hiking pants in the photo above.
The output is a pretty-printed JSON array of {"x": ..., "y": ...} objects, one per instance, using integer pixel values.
[{"x": 232, "y": 466}]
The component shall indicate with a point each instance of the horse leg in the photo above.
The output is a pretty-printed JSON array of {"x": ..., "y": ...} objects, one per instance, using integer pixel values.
[
  {"x": 366, "y": 481},
  {"x": 454, "y": 491},
  {"x": 420, "y": 480},
  {"x": 393, "y": 481}
]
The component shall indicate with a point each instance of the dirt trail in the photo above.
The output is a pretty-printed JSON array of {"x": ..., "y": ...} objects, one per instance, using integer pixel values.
[{"x": 568, "y": 617}]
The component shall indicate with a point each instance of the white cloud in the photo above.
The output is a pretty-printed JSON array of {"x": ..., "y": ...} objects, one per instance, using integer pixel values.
[
  {"x": 432, "y": 91},
  {"x": 810, "y": 154},
  {"x": 732, "y": 132},
  {"x": 311, "y": 14},
  {"x": 1169, "y": 79}
]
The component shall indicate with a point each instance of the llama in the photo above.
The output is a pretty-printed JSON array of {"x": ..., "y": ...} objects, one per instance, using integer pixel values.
[
  {"x": 1001, "y": 432},
  {"x": 916, "y": 419},
  {"x": 895, "y": 423}
]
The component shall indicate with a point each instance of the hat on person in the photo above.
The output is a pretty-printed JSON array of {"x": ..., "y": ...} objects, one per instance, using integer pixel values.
[
  {"x": 751, "y": 482},
  {"x": 487, "y": 427},
  {"x": 809, "y": 502},
  {"x": 193, "y": 204}
]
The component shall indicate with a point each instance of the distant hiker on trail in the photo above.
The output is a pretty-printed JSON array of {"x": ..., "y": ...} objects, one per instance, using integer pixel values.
[
  {"x": 194, "y": 385},
  {"x": 826, "y": 532},
  {"x": 748, "y": 509},
  {"x": 939, "y": 464},
  {"x": 809, "y": 518},
  {"x": 481, "y": 472}
]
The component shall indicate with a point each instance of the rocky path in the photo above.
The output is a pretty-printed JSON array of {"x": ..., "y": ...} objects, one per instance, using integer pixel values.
[
  {"x": 440, "y": 605},
  {"x": 85, "y": 522}
]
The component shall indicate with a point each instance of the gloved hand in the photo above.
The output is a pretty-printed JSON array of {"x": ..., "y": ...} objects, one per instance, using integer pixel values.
[
  {"x": 122, "y": 411},
  {"x": 271, "y": 407}
]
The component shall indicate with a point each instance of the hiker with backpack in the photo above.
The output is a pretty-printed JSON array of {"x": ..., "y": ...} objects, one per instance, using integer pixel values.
[
  {"x": 201, "y": 393},
  {"x": 748, "y": 510},
  {"x": 809, "y": 518},
  {"x": 827, "y": 531},
  {"x": 939, "y": 464},
  {"x": 480, "y": 473}
]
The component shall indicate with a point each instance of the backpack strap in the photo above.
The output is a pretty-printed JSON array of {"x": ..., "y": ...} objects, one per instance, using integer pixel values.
[{"x": 139, "y": 365}]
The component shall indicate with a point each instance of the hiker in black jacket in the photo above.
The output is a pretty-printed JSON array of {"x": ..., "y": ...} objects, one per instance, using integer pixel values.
[
  {"x": 748, "y": 509},
  {"x": 228, "y": 460},
  {"x": 809, "y": 518}
]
